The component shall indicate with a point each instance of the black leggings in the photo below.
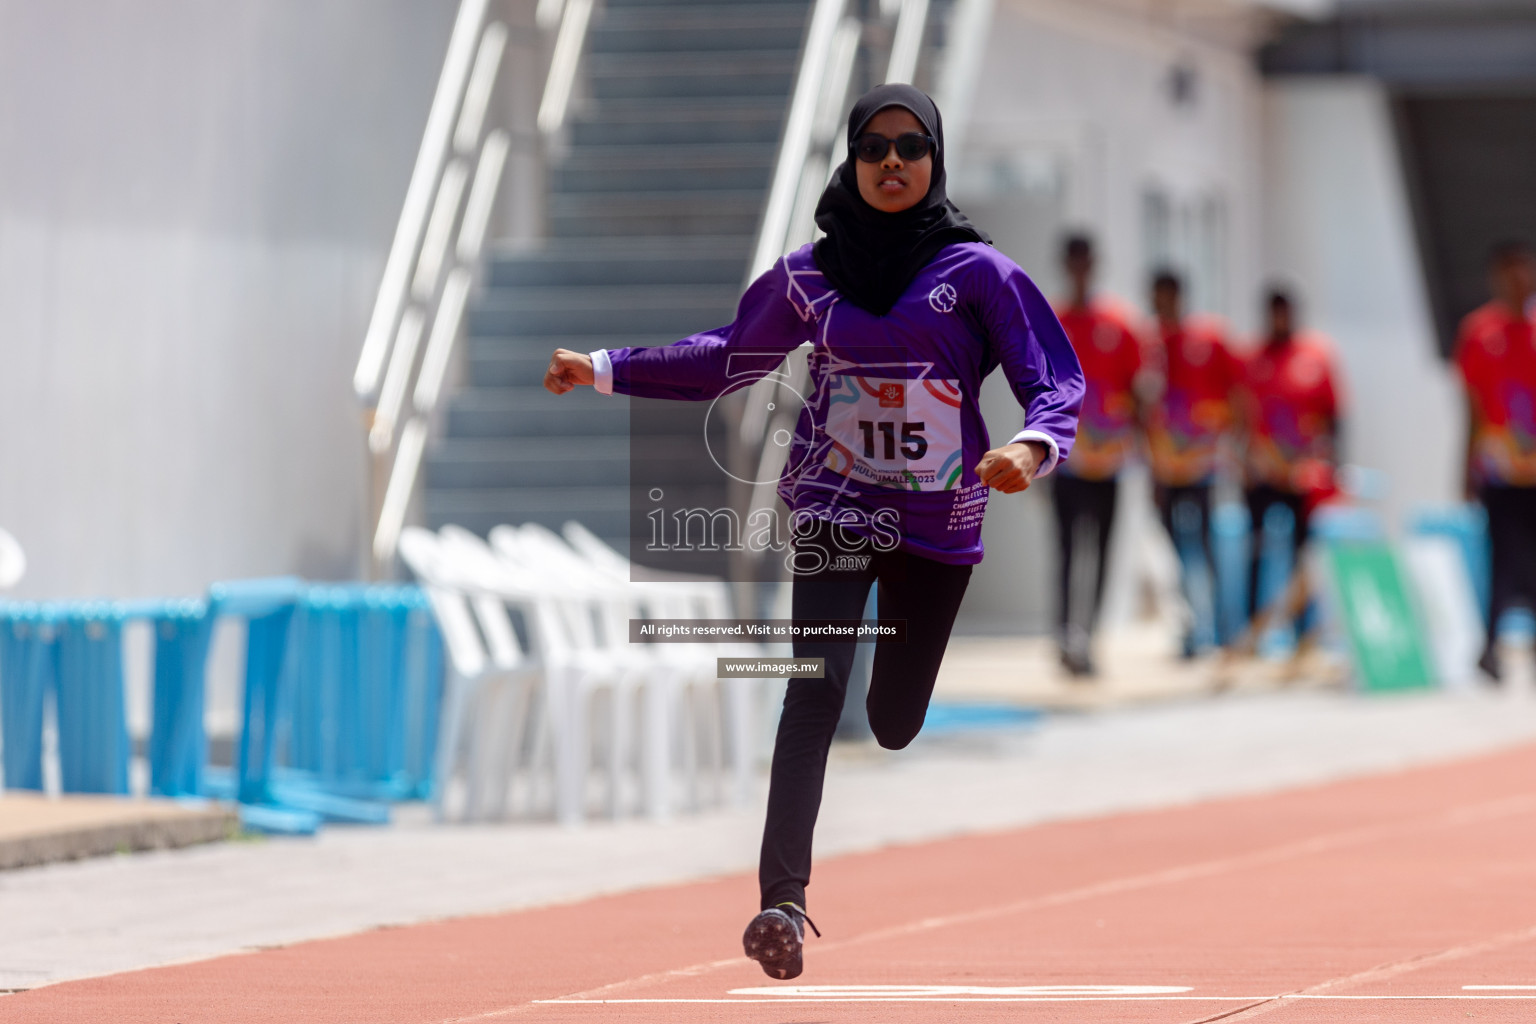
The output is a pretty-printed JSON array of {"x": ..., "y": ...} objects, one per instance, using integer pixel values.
[
  {"x": 924, "y": 593},
  {"x": 1082, "y": 507},
  {"x": 1512, "y": 545}
]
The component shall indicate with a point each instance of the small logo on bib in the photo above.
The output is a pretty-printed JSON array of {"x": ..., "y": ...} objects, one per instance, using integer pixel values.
[
  {"x": 943, "y": 298},
  {"x": 893, "y": 396}
]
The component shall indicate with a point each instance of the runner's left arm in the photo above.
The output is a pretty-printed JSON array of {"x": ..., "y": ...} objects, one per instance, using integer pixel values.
[{"x": 1038, "y": 361}]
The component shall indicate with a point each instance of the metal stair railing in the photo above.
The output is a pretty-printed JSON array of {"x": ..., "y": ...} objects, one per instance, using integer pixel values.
[
  {"x": 438, "y": 240},
  {"x": 970, "y": 21}
]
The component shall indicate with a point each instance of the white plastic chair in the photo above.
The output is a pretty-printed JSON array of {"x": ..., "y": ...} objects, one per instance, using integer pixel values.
[
  {"x": 719, "y": 713},
  {"x": 492, "y": 683},
  {"x": 589, "y": 634},
  {"x": 521, "y": 716},
  {"x": 675, "y": 682}
]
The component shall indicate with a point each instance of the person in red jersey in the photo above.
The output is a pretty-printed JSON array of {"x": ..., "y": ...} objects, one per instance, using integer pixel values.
[
  {"x": 1190, "y": 411},
  {"x": 1086, "y": 487},
  {"x": 1292, "y": 402},
  {"x": 1496, "y": 354}
]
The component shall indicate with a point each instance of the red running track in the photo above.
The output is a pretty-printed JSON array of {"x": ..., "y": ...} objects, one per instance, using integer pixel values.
[{"x": 1403, "y": 898}]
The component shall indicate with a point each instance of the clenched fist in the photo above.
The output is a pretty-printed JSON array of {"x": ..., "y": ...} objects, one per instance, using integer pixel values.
[
  {"x": 566, "y": 370},
  {"x": 1011, "y": 468}
]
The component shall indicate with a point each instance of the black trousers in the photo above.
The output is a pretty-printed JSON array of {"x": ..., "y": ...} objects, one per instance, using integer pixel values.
[
  {"x": 1260, "y": 500},
  {"x": 1187, "y": 507},
  {"x": 921, "y": 591},
  {"x": 1512, "y": 544},
  {"x": 1085, "y": 513}
]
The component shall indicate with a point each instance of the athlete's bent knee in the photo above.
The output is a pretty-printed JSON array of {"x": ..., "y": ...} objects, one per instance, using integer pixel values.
[{"x": 894, "y": 735}]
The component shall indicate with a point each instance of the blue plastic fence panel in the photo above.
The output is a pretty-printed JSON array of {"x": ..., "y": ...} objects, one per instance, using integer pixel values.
[
  {"x": 310, "y": 705},
  {"x": 1233, "y": 530},
  {"x": 321, "y": 724},
  {"x": 352, "y": 724},
  {"x": 178, "y": 741},
  {"x": 340, "y": 703},
  {"x": 255, "y": 598},
  {"x": 1347, "y": 523},
  {"x": 1199, "y": 581},
  {"x": 265, "y": 650},
  {"x": 423, "y": 694},
  {"x": 267, "y": 606},
  {"x": 1229, "y": 524},
  {"x": 1276, "y": 564},
  {"x": 363, "y": 682},
  {"x": 1276, "y": 561},
  {"x": 28, "y": 667},
  {"x": 1467, "y": 525},
  {"x": 92, "y": 712},
  {"x": 380, "y": 673}
]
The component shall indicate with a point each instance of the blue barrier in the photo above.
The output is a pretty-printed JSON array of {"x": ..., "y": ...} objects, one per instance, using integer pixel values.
[
  {"x": 28, "y": 666},
  {"x": 956, "y": 717},
  {"x": 1232, "y": 527},
  {"x": 94, "y": 750},
  {"x": 1467, "y": 525},
  {"x": 278, "y": 820},
  {"x": 1518, "y": 624},
  {"x": 178, "y": 743},
  {"x": 266, "y": 645},
  {"x": 363, "y": 684},
  {"x": 1276, "y": 561},
  {"x": 1229, "y": 528},
  {"x": 423, "y": 664},
  {"x": 69, "y": 654},
  {"x": 1199, "y": 580},
  {"x": 325, "y": 714},
  {"x": 1336, "y": 524},
  {"x": 339, "y": 709}
]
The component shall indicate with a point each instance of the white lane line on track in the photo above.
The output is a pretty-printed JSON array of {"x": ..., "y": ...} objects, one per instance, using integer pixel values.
[
  {"x": 1498, "y": 988},
  {"x": 1406, "y": 998},
  {"x": 1487, "y": 810},
  {"x": 1051, "y": 999},
  {"x": 929, "y": 999},
  {"x": 833, "y": 991},
  {"x": 1386, "y": 971}
]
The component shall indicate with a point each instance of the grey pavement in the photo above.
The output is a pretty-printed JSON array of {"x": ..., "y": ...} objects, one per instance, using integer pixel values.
[{"x": 88, "y": 918}]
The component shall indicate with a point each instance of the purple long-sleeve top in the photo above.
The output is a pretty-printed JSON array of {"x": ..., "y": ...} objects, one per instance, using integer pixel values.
[{"x": 891, "y": 423}]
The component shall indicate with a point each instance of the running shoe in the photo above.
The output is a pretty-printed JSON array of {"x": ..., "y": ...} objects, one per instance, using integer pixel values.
[{"x": 775, "y": 938}]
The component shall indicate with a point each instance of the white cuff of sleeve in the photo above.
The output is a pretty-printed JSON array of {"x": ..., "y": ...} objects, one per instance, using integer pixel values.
[
  {"x": 1045, "y": 439},
  {"x": 602, "y": 372}
]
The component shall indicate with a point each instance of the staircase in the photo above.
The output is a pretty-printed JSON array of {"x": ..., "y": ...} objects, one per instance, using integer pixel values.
[{"x": 650, "y": 220}]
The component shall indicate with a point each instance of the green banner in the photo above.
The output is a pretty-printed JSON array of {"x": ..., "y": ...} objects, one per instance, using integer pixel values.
[{"x": 1385, "y": 636}]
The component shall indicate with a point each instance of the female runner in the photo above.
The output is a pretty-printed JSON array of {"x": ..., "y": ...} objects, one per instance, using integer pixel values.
[{"x": 908, "y": 308}]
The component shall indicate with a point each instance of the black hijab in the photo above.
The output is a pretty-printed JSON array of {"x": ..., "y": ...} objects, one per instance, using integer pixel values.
[{"x": 872, "y": 256}]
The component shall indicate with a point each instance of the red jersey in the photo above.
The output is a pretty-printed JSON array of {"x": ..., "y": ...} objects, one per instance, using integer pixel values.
[
  {"x": 1293, "y": 403},
  {"x": 1111, "y": 360},
  {"x": 1496, "y": 353},
  {"x": 1196, "y": 375}
]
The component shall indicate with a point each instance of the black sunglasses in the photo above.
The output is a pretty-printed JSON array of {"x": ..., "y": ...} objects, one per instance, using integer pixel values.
[{"x": 871, "y": 148}]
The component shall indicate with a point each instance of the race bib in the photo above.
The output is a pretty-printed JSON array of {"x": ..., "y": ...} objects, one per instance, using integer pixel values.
[{"x": 902, "y": 434}]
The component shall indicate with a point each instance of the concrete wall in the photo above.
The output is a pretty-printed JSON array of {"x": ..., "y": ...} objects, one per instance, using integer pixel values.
[
  {"x": 1077, "y": 121},
  {"x": 195, "y": 204},
  {"x": 1339, "y": 226}
]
